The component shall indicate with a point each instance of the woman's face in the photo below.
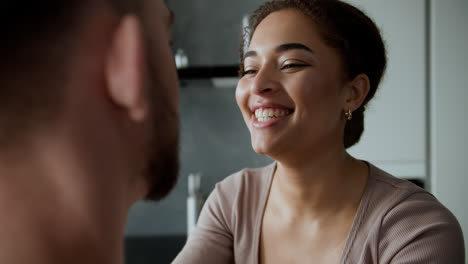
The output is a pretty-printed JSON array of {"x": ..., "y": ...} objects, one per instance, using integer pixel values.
[{"x": 291, "y": 96}]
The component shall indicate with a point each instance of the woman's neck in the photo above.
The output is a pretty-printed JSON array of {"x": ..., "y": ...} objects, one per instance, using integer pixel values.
[{"x": 321, "y": 186}]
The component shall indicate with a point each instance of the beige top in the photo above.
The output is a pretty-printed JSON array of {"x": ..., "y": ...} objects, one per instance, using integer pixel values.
[{"x": 397, "y": 222}]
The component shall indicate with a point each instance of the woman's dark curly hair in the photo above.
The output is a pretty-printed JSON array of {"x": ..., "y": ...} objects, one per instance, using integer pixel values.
[{"x": 350, "y": 32}]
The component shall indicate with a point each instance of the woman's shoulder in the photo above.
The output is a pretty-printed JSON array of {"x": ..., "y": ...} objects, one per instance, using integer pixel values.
[
  {"x": 385, "y": 191},
  {"x": 236, "y": 201},
  {"x": 394, "y": 196},
  {"x": 408, "y": 222},
  {"x": 383, "y": 179}
]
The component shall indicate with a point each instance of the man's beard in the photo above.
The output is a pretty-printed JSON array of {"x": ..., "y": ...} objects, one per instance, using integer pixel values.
[
  {"x": 163, "y": 163},
  {"x": 162, "y": 167}
]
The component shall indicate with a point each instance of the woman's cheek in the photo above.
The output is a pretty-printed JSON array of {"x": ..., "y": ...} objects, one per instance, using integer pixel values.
[{"x": 242, "y": 94}]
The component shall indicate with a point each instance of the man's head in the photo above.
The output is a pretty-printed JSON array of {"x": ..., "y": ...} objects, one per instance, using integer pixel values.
[{"x": 103, "y": 67}]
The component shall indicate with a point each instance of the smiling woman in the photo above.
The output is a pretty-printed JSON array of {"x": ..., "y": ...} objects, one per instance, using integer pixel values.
[
  {"x": 297, "y": 71},
  {"x": 310, "y": 69}
]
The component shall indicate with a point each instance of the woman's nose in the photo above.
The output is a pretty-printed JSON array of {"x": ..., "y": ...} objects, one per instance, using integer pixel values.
[{"x": 265, "y": 82}]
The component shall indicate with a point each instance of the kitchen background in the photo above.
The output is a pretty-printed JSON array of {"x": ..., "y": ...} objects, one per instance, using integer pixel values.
[{"x": 415, "y": 128}]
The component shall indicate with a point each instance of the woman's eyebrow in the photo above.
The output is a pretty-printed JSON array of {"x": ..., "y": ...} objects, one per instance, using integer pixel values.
[
  {"x": 282, "y": 48},
  {"x": 292, "y": 46},
  {"x": 250, "y": 53}
]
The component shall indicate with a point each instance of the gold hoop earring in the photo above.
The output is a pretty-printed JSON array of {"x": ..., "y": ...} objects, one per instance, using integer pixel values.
[{"x": 348, "y": 115}]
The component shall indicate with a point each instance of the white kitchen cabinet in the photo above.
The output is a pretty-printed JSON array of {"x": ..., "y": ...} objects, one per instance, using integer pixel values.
[{"x": 395, "y": 121}]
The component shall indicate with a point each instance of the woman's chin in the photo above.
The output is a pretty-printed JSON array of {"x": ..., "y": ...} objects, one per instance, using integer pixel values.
[
  {"x": 263, "y": 148},
  {"x": 260, "y": 152},
  {"x": 259, "y": 148}
]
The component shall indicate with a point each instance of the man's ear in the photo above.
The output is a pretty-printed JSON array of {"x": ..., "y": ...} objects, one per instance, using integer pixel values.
[
  {"x": 357, "y": 91},
  {"x": 125, "y": 68}
]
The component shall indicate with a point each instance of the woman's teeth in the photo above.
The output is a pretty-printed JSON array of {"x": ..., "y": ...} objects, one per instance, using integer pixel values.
[{"x": 264, "y": 115}]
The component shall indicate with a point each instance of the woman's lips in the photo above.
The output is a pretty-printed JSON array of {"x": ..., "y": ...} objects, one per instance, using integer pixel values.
[{"x": 267, "y": 117}]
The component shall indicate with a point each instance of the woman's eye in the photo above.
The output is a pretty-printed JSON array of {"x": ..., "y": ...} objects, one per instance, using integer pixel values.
[
  {"x": 292, "y": 65},
  {"x": 247, "y": 72}
]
